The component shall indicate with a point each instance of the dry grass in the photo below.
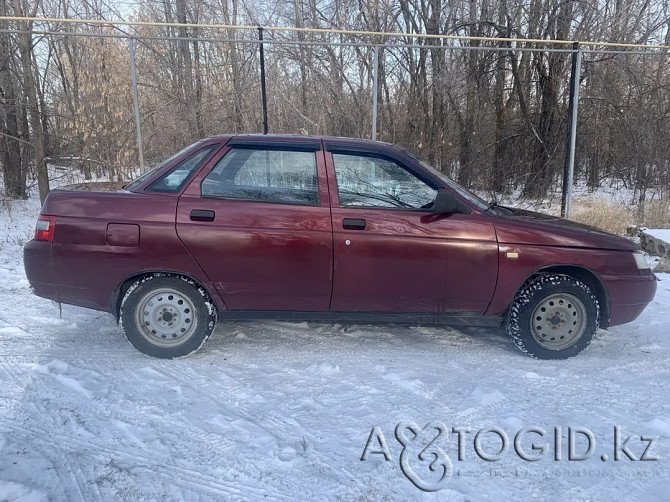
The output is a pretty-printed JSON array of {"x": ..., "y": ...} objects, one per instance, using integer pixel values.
[
  {"x": 657, "y": 214},
  {"x": 614, "y": 218},
  {"x": 617, "y": 217}
]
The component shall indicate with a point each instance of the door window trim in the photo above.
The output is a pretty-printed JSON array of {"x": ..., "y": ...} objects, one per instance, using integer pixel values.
[
  {"x": 399, "y": 158},
  {"x": 274, "y": 144}
]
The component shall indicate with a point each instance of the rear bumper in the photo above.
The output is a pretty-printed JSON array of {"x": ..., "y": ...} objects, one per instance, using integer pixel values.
[
  {"x": 38, "y": 264},
  {"x": 629, "y": 296},
  {"x": 46, "y": 282}
]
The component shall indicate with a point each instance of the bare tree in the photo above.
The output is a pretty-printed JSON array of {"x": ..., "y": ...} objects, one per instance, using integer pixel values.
[{"x": 25, "y": 44}]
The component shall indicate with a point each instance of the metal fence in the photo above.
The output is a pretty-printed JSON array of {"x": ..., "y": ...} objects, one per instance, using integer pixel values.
[{"x": 264, "y": 64}]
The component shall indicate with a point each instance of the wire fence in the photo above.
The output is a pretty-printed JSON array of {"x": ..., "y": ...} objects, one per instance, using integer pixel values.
[{"x": 496, "y": 114}]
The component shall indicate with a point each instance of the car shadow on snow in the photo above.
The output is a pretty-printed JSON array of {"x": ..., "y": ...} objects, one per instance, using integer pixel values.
[{"x": 303, "y": 337}]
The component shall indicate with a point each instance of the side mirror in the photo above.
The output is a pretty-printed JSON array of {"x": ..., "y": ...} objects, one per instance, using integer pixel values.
[{"x": 446, "y": 202}]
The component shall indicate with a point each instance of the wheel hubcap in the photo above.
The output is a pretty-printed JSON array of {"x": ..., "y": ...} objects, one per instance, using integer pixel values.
[
  {"x": 166, "y": 317},
  {"x": 558, "y": 321}
]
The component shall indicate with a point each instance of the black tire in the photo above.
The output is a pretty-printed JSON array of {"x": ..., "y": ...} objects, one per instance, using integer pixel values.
[
  {"x": 167, "y": 316},
  {"x": 553, "y": 316}
]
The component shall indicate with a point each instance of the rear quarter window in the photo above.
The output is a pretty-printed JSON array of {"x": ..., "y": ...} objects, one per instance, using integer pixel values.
[{"x": 175, "y": 179}]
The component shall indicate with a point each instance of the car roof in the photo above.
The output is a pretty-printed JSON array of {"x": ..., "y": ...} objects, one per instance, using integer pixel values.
[{"x": 328, "y": 140}]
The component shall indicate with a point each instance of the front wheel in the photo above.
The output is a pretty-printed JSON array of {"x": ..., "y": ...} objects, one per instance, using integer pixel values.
[
  {"x": 553, "y": 317},
  {"x": 166, "y": 316}
]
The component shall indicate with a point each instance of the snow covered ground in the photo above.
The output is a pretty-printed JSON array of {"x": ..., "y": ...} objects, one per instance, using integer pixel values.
[
  {"x": 659, "y": 233},
  {"x": 280, "y": 411}
]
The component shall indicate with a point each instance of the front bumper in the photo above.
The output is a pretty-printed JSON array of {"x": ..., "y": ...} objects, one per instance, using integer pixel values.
[{"x": 629, "y": 296}]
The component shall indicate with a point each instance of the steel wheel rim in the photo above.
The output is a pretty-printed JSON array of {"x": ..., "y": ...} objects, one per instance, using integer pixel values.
[
  {"x": 558, "y": 321},
  {"x": 166, "y": 317}
]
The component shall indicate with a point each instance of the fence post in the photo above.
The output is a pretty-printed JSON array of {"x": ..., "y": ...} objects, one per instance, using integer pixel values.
[
  {"x": 136, "y": 102},
  {"x": 375, "y": 85},
  {"x": 573, "y": 108},
  {"x": 264, "y": 96}
]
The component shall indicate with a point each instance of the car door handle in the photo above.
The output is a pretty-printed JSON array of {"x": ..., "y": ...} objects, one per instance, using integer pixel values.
[
  {"x": 202, "y": 215},
  {"x": 353, "y": 224}
]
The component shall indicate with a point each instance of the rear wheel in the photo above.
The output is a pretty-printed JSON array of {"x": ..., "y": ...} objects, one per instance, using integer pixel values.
[
  {"x": 166, "y": 316},
  {"x": 553, "y": 317}
]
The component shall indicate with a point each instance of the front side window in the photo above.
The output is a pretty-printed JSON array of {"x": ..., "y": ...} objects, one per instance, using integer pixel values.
[
  {"x": 282, "y": 176},
  {"x": 378, "y": 182},
  {"x": 176, "y": 178},
  {"x": 478, "y": 202}
]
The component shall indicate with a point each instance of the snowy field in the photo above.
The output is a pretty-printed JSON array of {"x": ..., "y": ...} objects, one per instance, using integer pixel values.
[{"x": 276, "y": 411}]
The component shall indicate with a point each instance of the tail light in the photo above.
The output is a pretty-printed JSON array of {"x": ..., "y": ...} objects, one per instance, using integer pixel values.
[{"x": 44, "y": 230}]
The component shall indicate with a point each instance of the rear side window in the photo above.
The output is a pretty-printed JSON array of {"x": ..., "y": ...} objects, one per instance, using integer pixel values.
[
  {"x": 175, "y": 179},
  {"x": 283, "y": 176}
]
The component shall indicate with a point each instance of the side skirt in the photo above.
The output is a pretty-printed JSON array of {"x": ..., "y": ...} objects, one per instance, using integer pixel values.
[{"x": 363, "y": 317}]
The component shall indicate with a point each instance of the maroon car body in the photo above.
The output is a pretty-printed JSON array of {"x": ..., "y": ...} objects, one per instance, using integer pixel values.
[{"x": 318, "y": 258}]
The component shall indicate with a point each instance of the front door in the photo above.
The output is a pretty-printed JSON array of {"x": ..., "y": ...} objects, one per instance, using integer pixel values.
[
  {"x": 391, "y": 254},
  {"x": 258, "y": 222}
]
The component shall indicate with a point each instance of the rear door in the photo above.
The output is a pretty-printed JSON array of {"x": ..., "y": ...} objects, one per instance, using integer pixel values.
[{"x": 257, "y": 220}]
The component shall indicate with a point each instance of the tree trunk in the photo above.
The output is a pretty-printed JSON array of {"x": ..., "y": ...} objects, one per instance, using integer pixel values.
[
  {"x": 498, "y": 179},
  {"x": 471, "y": 89},
  {"x": 10, "y": 147},
  {"x": 303, "y": 67},
  {"x": 551, "y": 75},
  {"x": 187, "y": 73},
  {"x": 30, "y": 94}
]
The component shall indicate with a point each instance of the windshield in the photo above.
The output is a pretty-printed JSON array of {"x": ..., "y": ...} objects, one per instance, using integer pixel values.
[
  {"x": 148, "y": 174},
  {"x": 477, "y": 201}
]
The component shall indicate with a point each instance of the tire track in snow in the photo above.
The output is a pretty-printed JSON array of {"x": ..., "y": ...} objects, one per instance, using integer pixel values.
[
  {"x": 87, "y": 491},
  {"x": 286, "y": 428},
  {"x": 169, "y": 472},
  {"x": 53, "y": 419},
  {"x": 10, "y": 375}
]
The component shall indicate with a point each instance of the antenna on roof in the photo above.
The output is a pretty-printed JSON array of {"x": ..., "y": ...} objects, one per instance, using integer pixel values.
[{"x": 264, "y": 96}]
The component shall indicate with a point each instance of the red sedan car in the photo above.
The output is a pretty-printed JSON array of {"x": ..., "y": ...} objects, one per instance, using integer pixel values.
[{"x": 325, "y": 229}]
